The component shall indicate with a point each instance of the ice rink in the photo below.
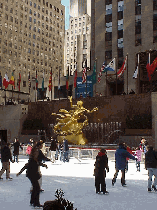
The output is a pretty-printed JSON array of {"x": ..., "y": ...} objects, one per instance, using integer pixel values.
[{"x": 77, "y": 181}]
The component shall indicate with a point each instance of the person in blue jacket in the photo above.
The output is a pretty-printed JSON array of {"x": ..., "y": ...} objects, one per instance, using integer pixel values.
[{"x": 120, "y": 163}]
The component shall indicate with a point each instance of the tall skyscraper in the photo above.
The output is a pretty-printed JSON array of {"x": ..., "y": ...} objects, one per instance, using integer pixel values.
[{"x": 80, "y": 7}]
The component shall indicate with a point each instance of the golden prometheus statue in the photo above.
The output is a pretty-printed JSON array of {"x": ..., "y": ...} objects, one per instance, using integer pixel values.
[{"x": 71, "y": 123}]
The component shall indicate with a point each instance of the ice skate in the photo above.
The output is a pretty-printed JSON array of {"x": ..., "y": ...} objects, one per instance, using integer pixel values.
[
  {"x": 149, "y": 190},
  {"x": 154, "y": 188},
  {"x": 10, "y": 178},
  {"x": 1, "y": 178},
  {"x": 106, "y": 193}
]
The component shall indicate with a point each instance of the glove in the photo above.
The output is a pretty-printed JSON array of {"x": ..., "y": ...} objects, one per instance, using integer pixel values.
[{"x": 107, "y": 169}]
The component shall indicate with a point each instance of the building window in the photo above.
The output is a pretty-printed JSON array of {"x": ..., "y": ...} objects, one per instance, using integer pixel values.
[
  {"x": 108, "y": 9},
  {"x": 24, "y": 83},
  {"x": 120, "y": 34},
  {"x": 108, "y": 18},
  {"x": 30, "y": 19},
  {"x": 138, "y": 40},
  {"x": 109, "y": 27},
  {"x": 138, "y": 27},
  {"x": 120, "y": 53},
  {"x": 108, "y": 54},
  {"x": 137, "y": 7},
  {"x": 108, "y": 36}
]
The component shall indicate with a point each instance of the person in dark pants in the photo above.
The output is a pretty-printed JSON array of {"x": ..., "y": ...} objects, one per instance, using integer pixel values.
[
  {"x": 53, "y": 149},
  {"x": 120, "y": 163},
  {"x": 151, "y": 166},
  {"x": 65, "y": 150},
  {"x": 101, "y": 164},
  {"x": 16, "y": 149},
  {"x": 33, "y": 175},
  {"x": 5, "y": 157}
]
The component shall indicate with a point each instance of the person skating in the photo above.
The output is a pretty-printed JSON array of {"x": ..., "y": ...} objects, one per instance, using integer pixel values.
[
  {"x": 120, "y": 163},
  {"x": 65, "y": 150},
  {"x": 16, "y": 145},
  {"x": 41, "y": 157},
  {"x": 101, "y": 164},
  {"x": 33, "y": 175},
  {"x": 151, "y": 166},
  {"x": 53, "y": 149},
  {"x": 5, "y": 157},
  {"x": 138, "y": 155}
]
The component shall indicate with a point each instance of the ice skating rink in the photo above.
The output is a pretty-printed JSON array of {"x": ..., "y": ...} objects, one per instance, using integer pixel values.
[{"x": 77, "y": 181}]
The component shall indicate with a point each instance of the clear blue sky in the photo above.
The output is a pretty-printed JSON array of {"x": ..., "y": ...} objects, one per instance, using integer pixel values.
[{"x": 66, "y": 3}]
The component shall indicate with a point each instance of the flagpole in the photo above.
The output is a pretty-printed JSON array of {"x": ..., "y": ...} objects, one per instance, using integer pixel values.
[
  {"x": 127, "y": 73},
  {"x": 96, "y": 73},
  {"x": 51, "y": 83},
  {"x": 138, "y": 60},
  {"x": 86, "y": 76},
  {"x": 116, "y": 73}
]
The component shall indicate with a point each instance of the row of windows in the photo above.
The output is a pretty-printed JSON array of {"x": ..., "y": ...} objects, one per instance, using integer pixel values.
[{"x": 35, "y": 6}]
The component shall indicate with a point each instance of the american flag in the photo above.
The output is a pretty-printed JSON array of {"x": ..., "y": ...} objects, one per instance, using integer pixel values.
[
  {"x": 84, "y": 75},
  {"x": 100, "y": 73}
]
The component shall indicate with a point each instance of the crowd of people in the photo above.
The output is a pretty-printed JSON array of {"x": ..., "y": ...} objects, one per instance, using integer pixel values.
[{"x": 60, "y": 151}]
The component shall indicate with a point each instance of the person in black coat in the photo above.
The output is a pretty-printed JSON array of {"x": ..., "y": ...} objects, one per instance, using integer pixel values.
[
  {"x": 53, "y": 148},
  {"x": 65, "y": 150},
  {"x": 99, "y": 172},
  {"x": 5, "y": 157},
  {"x": 33, "y": 175},
  {"x": 16, "y": 145},
  {"x": 151, "y": 166}
]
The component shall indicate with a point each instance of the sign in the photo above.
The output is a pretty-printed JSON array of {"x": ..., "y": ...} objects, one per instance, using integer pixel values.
[{"x": 81, "y": 87}]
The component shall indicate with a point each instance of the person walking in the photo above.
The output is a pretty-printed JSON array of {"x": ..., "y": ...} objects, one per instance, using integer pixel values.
[
  {"x": 60, "y": 152},
  {"x": 33, "y": 175},
  {"x": 16, "y": 145},
  {"x": 53, "y": 149},
  {"x": 151, "y": 166},
  {"x": 138, "y": 155},
  {"x": 65, "y": 150},
  {"x": 101, "y": 164},
  {"x": 120, "y": 163},
  {"x": 5, "y": 157}
]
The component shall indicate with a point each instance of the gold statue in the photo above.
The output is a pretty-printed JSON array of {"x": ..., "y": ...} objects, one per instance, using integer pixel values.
[{"x": 71, "y": 123}]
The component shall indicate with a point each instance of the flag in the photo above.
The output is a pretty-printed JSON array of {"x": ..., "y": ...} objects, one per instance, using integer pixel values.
[
  {"x": 67, "y": 79},
  {"x": 135, "y": 73},
  {"x": 36, "y": 81},
  {"x": 19, "y": 81},
  {"x": 43, "y": 82},
  {"x": 6, "y": 81},
  {"x": 151, "y": 68},
  {"x": 111, "y": 66},
  {"x": 59, "y": 81},
  {"x": 94, "y": 74},
  {"x": 50, "y": 82},
  {"x": 123, "y": 68},
  {"x": 100, "y": 73},
  {"x": 75, "y": 78},
  {"x": 12, "y": 80},
  {"x": 84, "y": 76}
]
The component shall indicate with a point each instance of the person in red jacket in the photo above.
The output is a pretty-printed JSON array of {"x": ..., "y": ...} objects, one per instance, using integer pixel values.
[{"x": 130, "y": 151}]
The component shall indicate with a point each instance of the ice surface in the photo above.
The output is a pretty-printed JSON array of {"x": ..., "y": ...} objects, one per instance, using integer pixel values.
[{"x": 76, "y": 180}]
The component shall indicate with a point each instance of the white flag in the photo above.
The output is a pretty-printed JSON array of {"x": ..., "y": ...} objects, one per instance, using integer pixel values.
[{"x": 135, "y": 73}]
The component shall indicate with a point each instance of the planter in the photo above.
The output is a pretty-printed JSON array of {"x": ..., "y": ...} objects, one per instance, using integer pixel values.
[{"x": 138, "y": 132}]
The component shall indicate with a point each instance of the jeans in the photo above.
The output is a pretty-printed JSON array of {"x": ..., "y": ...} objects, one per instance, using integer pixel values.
[
  {"x": 122, "y": 176},
  {"x": 16, "y": 157},
  {"x": 151, "y": 172},
  {"x": 65, "y": 156}
]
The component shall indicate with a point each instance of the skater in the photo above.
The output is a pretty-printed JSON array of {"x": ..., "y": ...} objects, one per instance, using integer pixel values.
[
  {"x": 33, "y": 175},
  {"x": 138, "y": 155},
  {"x": 127, "y": 159},
  {"x": 29, "y": 148},
  {"x": 65, "y": 150},
  {"x": 5, "y": 157},
  {"x": 101, "y": 164},
  {"x": 151, "y": 166},
  {"x": 120, "y": 163},
  {"x": 60, "y": 152},
  {"x": 53, "y": 149},
  {"x": 16, "y": 145}
]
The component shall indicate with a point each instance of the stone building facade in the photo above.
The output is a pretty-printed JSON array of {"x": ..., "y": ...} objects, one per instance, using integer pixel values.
[{"x": 32, "y": 43}]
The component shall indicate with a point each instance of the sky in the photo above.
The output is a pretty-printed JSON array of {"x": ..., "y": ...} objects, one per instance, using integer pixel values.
[{"x": 66, "y": 3}]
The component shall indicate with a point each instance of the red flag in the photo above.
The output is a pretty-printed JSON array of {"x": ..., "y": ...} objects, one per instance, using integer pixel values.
[
  {"x": 123, "y": 68},
  {"x": 75, "y": 79},
  {"x": 19, "y": 80},
  {"x": 151, "y": 68},
  {"x": 6, "y": 81},
  {"x": 50, "y": 82}
]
